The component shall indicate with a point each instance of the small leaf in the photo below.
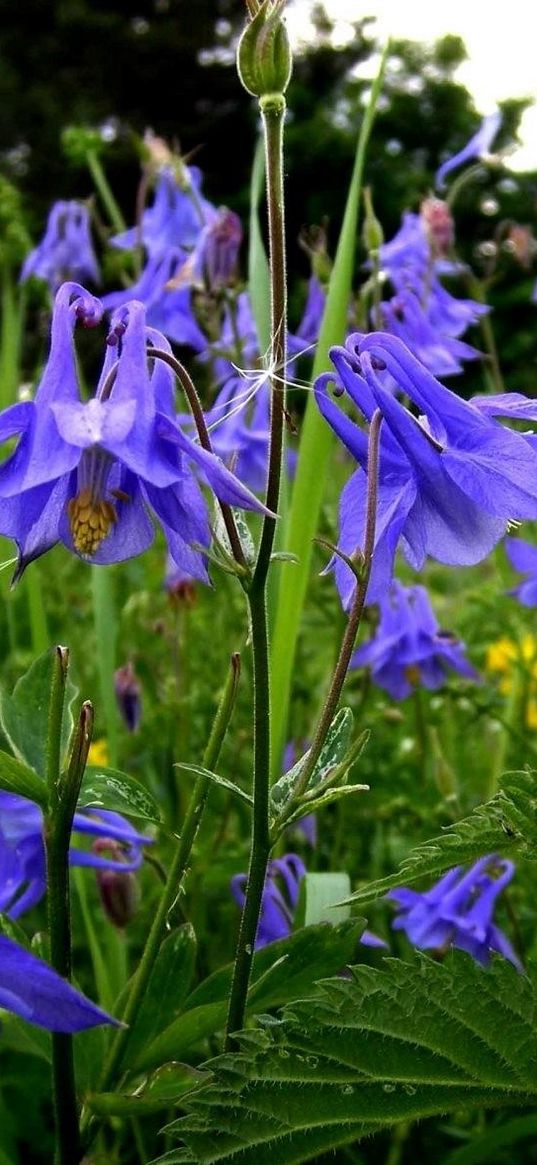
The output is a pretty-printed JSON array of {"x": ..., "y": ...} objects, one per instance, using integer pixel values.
[
  {"x": 160, "y": 1090},
  {"x": 105, "y": 788},
  {"x": 167, "y": 989},
  {"x": 337, "y": 743},
  {"x": 199, "y": 771},
  {"x": 16, "y": 777},
  {"x": 24, "y": 714}
]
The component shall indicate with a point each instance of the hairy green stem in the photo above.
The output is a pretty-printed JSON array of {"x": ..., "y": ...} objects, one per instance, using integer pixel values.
[
  {"x": 172, "y": 888},
  {"x": 62, "y": 798},
  {"x": 356, "y": 611},
  {"x": 260, "y": 848},
  {"x": 273, "y": 113}
]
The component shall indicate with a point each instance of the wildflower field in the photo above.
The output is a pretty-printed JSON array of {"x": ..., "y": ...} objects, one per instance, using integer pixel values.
[{"x": 268, "y": 685}]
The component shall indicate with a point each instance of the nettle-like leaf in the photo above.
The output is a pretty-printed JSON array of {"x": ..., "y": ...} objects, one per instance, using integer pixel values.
[
  {"x": 506, "y": 825},
  {"x": 409, "y": 1041}
]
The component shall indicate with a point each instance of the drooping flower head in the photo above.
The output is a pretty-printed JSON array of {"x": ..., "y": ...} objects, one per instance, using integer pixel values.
[
  {"x": 22, "y": 849},
  {"x": 458, "y": 911},
  {"x": 409, "y": 649},
  {"x": 178, "y": 214},
  {"x": 168, "y": 307},
  {"x": 477, "y": 147},
  {"x": 66, "y": 250},
  {"x": 90, "y": 473},
  {"x": 450, "y": 479}
]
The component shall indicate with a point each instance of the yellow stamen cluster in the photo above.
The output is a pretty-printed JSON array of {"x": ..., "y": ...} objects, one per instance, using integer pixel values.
[{"x": 91, "y": 520}]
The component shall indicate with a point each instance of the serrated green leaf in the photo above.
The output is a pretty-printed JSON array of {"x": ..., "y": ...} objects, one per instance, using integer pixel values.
[
  {"x": 16, "y": 777},
  {"x": 397, "y": 1044},
  {"x": 199, "y": 771},
  {"x": 282, "y": 971},
  {"x": 106, "y": 788},
  {"x": 337, "y": 743},
  {"x": 507, "y": 825},
  {"x": 24, "y": 714},
  {"x": 159, "y": 1090},
  {"x": 167, "y": 989}
]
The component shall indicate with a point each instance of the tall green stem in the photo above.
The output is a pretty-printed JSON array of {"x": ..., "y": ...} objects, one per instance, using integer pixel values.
[
  {"x": 107, "y": 198},
  {"x": 273, "y": 112},
  {"x": 175, "y": 877},
  {"x": 62, "y": 798}
]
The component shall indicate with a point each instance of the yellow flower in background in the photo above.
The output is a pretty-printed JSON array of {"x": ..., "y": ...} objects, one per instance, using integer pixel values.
[
  {"x": 516, "y": 661},
  {"x": 98, "y": 752}
]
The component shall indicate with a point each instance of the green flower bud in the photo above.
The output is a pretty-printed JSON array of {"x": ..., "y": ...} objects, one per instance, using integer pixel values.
[
  {"x": 78, "y": 141},
  {"x": 372, "y": 231},
  {"x": 264, "y": 59}
]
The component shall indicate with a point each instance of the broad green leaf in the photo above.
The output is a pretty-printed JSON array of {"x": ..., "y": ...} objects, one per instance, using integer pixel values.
[
  {"x": 316, "y": 445},
  {"x": 507, "y": 824},
  {"x": 167, "y": 989},
  {"x": 337, "y": 743},
  {"x": 24, "y": 1037},
  {"x": 154, "y": 1092},
  {"x": 282, "y": 971},
  {"x": 320, "y": 894},
  {"x": 106, "y": 788},
  {"x": 16, "y": 777},
  {"x": 24, "y": 714},
  {"x": 399, "y": 1044},
  {"x": 199, "y": 771}
]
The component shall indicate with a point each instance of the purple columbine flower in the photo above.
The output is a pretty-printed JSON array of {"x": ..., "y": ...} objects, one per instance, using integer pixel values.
[
  {"x": 280, "y": 900},
  {"x": 450, "y": 479},
  {"x": 457, "y": 911},
  {"x": 478, "y": 147},
  {"x": 213, "y": 262},
  {"x": 178, "y": 214},
  {"x": 31, "y": 989},
  {"x": 523, "y": 557},
  {"x": 168, "y": 307},
  {"x": 66, "y": 250},
  {"x": 422, "y": 313},
  {"x": 90, "y": 473},
  {"x": 409, "y": 649},
  {"x": 23, "y": 878}
]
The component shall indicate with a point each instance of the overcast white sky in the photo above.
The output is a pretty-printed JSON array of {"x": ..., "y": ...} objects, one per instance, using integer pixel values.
[{"x": 501, "y": 41}]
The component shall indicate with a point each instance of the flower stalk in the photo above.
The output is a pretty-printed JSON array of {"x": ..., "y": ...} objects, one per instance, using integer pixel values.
[
  {"x": 63, "y": 790},
  {"x": 272, "y": 106}
]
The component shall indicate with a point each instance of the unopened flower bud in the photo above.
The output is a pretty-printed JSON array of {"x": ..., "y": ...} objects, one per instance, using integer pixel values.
[
  {"x": 438, "y": 222},
  {"x": 120, "y": 896},
  {"x": 264, "y": 59},
  {"x": 373, "y": 234},
  {"x": 128, "y": 696},
  {"x": 118, "y": 889}
]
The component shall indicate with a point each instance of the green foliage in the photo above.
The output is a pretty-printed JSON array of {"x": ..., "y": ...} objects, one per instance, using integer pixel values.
[
  {"x": 507, "y": 825},
  {"x": 389, "y": 1046},
  {"x": 107, "y": 788},
  {"x": 24, "y": 714},
  {"x": 282, "y": 971}
]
